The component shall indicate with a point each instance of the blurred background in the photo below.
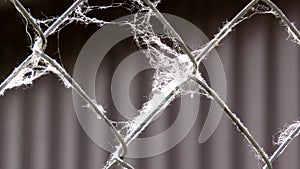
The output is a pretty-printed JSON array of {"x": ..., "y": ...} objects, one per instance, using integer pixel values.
[{"x": 38, "y": 124}]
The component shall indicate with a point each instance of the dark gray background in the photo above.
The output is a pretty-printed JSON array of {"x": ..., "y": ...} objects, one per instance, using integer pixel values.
[{"x": 39, "y": 128}]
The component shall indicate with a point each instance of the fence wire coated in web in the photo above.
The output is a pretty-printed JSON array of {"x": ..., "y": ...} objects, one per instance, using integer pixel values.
[{"x": 172, "y": 74}]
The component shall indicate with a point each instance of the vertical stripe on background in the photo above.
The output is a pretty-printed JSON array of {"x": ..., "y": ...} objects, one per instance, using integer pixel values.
[
  {"x": 12, "y": 140},
  {"x": 40, "y": 130},
  {"x": 288, "y": 92},
  {"x": 253, "y": 54},
  {"x": 40, "y": 102},
  {"x": 222, "y": 141},
  {"x": 68, "y": 139}
]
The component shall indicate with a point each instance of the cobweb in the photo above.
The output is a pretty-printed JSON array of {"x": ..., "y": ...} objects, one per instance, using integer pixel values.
[{"x": 175, "y": 65}]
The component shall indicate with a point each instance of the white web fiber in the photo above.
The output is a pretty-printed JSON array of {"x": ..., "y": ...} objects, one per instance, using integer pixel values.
[
  {"x": 173, "y": 68},
  {"x": 33, "y": 69},
  {"x": 286, "y": 132}
]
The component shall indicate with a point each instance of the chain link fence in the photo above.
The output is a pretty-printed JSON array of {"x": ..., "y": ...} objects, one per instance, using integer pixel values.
[{"x": 176, "y": 65}]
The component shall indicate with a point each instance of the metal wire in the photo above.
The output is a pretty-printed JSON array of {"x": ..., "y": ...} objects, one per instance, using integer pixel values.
[{"x": 117, "y": 157}]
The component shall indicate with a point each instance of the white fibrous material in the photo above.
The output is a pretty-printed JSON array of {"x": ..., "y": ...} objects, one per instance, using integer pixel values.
[
  {"x": 98, "y": 106},
  {"x": 286, "y": 133},
  {"x": 34, "y": 68},
  {"x": 259, "y": 8},
  {"x": 292, "y": 35},
  {"x": 172, "y": 67},
  {"x": 80, "y": 15},
  {"x": 174, "y": 70},
  {"x": 61, "y": 77}
]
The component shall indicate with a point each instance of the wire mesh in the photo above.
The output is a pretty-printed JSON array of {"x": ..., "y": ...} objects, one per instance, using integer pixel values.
[{"x": 39, "y": 63}]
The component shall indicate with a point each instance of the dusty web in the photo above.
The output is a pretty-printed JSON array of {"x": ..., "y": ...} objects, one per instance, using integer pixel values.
[
  {"x": 35, "y": 67},
  {"x": 175, "y": 65},
  {"x": 171, "y": 65},
  {"x": 286, "y": 132}
]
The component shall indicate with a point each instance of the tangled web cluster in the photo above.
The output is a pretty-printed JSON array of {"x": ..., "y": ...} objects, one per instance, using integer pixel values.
[
  {"x": 174, "y": 63},
  {"x": 35, "y": 68}
]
